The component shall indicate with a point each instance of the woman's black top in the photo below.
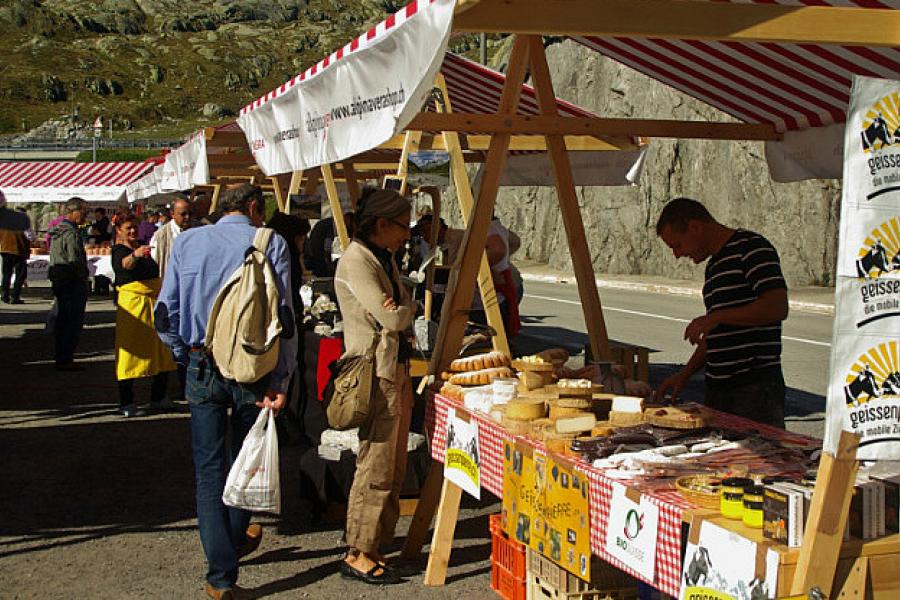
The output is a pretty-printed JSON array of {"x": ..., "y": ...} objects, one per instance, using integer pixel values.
[{"x": 144, "y": 268}]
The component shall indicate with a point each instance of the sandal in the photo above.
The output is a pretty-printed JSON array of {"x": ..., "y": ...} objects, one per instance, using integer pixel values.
[{"x": 386, "y": 577}]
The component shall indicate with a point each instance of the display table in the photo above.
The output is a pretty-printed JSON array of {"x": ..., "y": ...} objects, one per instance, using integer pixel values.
[{"x": 674, "y": 510}]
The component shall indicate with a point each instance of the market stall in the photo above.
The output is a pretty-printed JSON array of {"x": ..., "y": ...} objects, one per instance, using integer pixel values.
[
  {"x": 783, "y": 70},
  {"x": 101, "y": 182}
]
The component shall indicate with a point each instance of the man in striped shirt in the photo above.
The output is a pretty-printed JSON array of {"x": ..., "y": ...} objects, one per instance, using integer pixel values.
[{"x": 738, "y": 340}]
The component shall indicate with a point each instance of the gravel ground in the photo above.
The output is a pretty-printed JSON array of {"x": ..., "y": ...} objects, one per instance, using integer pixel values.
[{"x": 94, "y": 506}]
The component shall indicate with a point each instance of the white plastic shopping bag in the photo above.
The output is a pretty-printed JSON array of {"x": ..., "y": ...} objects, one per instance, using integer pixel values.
[{"x": 252, "y": 483}]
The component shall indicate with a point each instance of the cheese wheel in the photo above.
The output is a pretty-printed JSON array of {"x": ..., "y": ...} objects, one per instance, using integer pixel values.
[
  {"x": 540, "y": 427},
  {"x": 558, "y": 445},
  {"x": 515, "y": 426},
  {"x": 602, "y": 428},
  {"x": 581, "y": 403},
  {"x": 526, "y": 409},
  {"x": 628, "y": 404},
  {"x": 625, "y": 419},
  {"x": 560, "y": 412},
  {"x": 576, "y": 424}
]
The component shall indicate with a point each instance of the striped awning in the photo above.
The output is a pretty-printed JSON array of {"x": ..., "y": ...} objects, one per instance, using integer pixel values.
[
  {"x": 474, "y": 88},
  {"x": 59, "y": 181}
]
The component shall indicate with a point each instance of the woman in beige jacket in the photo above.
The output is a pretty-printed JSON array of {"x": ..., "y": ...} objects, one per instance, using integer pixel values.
[{"x": 377, "y": 309}]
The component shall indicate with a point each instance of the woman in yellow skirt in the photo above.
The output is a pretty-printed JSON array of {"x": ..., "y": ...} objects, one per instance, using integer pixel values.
[{"x": 139, "y": 351}]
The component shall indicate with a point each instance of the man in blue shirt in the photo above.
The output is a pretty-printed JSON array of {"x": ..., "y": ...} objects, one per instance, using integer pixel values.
[{"x": 200, "y": 263}]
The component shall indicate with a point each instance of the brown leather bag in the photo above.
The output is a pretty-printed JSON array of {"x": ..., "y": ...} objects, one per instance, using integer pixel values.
[{"x": 348, "y": 396}]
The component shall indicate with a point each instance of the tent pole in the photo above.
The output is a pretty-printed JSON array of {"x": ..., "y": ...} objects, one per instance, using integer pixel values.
[
  {"x": 459, "y": 296},
  {"x": 568, "y": 206},
  {"x": 410, "y": 144},
  {"x": 279, "y": 194},
  {"x": 466, "y": 203},
  {"x": 337, "y": 212},
  {"x": 217, "y": 189}
]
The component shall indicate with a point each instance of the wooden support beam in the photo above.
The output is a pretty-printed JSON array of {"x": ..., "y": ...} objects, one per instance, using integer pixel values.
[
  {"x": 279, "y": 194},
  {"x": 568, "y": 206},
  {"x": 337, "y": 212},
  {"x": 296, "y": 180},
  {"x": 593, "y": 127},
  {"x": 473, "y": 143},
  {"x": 214, "y": 202},
  {"x": 828, "y": 513},
  {"x": 428, "y": 501},
  {"x": 673, "y": 19},
  {"x": 444, "y": 528},
  {"x": 466, "y": 204},
  {"x": 459, "y": 296},
  {"x": 410, "y": 145}
]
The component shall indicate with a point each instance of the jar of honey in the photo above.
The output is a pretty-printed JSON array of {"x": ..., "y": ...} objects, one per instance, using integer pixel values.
[
  {"x": 753, "y": 506},
  {"x": 731, "y": 499}
]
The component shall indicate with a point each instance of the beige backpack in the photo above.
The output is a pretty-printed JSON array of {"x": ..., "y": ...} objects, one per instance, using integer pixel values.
[{"x": 242, "y": 336}]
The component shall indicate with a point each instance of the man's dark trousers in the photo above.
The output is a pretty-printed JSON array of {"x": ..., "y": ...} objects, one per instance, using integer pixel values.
[
  {"x": 71, "y": 300},
  {"x": 13, "y": 264}
]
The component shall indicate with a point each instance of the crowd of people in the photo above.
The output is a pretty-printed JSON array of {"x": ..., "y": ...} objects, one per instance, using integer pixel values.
[{"x": 169, "y": 271}]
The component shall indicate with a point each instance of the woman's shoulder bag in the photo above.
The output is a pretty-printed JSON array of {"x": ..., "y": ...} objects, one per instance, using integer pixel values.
[{"x": 348, "y": 396}]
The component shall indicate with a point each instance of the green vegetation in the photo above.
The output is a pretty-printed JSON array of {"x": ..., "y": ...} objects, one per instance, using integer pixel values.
[
  {"x": 163, "y": 68},
  {"x": 117, "y": 154}
]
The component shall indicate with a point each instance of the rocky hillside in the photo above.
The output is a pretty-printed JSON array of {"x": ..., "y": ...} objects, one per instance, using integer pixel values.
[
  {"x": 150, "y": 62},
  {"x": 731, "y": 178}
]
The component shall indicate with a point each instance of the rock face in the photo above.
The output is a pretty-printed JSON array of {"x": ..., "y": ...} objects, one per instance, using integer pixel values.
[{"x": 731, "y": 178}]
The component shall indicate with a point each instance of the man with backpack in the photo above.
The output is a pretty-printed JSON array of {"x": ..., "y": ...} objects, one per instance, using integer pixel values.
[{"x": 225, "y": 311}]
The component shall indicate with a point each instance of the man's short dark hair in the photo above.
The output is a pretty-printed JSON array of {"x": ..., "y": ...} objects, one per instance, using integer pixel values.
[
  {"x": 240, "y": 197},
  {"x": 75, "y": 203},
  {"x": 100, "y": 210},
  {"x": 681, "y": 211}
]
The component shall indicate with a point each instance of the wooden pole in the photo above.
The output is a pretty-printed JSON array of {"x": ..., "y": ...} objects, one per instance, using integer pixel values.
[
  {"x": 568, "y": 206},
  {"x": 410, "y": 144},
  {"x": 337, "y": 212},
  {"x": 214, "y": 202},
  {"x": 466, "y": 203},
  {"x": 279, "y": 194},
  {"x": 296, "y": 180},
  {"x": 828, "y": 514},
  {"x": 459, "y": 299}
]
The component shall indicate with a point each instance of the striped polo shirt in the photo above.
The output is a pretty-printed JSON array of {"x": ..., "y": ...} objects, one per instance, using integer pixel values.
[{"x": 745, "y": 267}]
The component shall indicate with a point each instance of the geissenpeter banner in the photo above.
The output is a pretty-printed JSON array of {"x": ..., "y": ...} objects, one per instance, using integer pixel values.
[{"x": 864, "y": 391}]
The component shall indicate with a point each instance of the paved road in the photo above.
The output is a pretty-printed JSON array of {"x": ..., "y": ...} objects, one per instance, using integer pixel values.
[{"x": 552, "y": 312}]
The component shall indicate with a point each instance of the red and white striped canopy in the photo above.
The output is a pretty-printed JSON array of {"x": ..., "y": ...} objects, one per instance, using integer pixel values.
[
  {"x": 792, "y": 86},
  {"x": 59, "y": 181},
  {"x": 474, "y": 88}
]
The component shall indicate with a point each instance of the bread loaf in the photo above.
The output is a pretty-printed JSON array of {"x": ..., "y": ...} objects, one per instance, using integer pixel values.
[
  {"x": 478, "y": 362},
  {"x": 480, "y": 377}
]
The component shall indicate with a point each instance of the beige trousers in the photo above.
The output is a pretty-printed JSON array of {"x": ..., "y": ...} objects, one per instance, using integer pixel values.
[{"x": 374, "y": 504}]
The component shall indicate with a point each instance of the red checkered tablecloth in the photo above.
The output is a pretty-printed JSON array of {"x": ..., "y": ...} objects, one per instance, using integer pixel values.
[
  {"x": 491, "y": 435},
  {"x": 671, "y": 504}
]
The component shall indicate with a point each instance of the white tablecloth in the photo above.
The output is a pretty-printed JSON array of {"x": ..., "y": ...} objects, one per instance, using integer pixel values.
[{"x": 38, "y": 266}]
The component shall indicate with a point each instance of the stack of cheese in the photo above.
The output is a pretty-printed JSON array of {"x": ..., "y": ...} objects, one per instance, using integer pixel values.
[
  {"x": 520, "y": 413},
  {"x": 626, "y": 411}
]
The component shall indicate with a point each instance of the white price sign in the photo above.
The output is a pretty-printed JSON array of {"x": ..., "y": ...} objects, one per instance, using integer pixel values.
[{"x": 632, "y": 529}]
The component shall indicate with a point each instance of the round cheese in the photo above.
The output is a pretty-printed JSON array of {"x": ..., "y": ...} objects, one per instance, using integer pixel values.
[{"x": 526, "y": 409}]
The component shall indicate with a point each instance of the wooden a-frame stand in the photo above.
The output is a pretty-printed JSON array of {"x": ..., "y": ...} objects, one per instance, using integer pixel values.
[{"x": 439, "y": 494}]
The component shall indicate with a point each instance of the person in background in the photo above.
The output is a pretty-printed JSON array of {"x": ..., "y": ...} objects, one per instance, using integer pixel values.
[
  {"x": 14, "y": 251},
  {"x": 200, "y": 263},
  {"x": 100, "y": 230},
  {"x": 48, "y": 239},
  {"x": 68, "y": 276},
  {"x": 163, "y": 216},
  {"x": 161, "y": 246},
  {"x": 147, "y": 227},
  {"x": 164, "y": 238},
  {"x": 139, "y": 351},
  {"x": 294, "y": 230},
  {"x": 317, "y": 251},
  {"x": 738, "y": 340},
  {"x": 376, "y": 307}
]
